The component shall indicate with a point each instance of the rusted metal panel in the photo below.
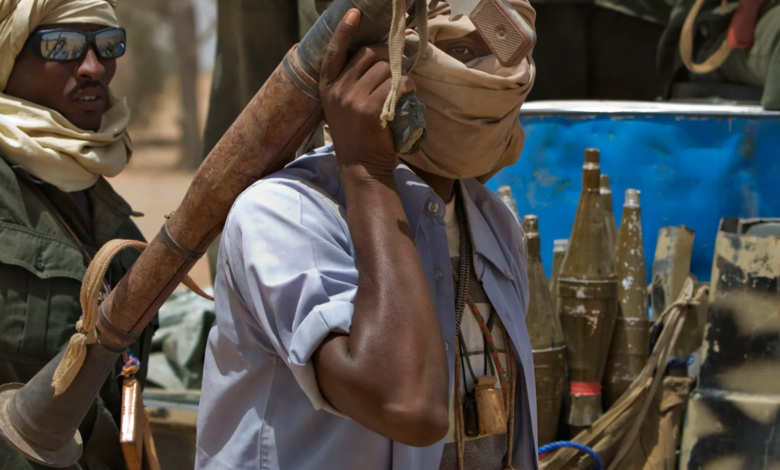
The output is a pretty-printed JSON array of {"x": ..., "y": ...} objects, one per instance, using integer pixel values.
[{"x": 733, "y": 419}]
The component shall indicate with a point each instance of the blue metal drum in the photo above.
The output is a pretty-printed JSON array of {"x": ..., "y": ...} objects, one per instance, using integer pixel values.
[{"x": 693, "y": 163}]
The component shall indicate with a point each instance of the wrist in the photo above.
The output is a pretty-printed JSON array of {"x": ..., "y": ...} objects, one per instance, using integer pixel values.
[{"x": 360, "y": 175}]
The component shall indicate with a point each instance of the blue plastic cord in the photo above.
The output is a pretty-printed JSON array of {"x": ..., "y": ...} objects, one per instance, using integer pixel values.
[{"x": 561, "y": 444}]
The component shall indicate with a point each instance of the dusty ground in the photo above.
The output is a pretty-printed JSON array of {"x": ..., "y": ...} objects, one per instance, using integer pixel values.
[{"x": 151, "y": 183}]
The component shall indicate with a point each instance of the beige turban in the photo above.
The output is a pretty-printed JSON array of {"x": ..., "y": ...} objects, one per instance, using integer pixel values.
[
  {"x": 40, "y": 139},
  {"x": 472, "y": 109}
]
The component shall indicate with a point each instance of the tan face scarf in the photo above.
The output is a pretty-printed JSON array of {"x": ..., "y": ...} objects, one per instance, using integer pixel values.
[
  {"x": 471, "y": 109},
  {"x": 40, "y": 139}
]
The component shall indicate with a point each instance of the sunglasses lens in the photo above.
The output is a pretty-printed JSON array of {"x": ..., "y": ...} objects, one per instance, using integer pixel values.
[
  {"x": 111, "y": 43},
  {"x": 63, "y": 45}
]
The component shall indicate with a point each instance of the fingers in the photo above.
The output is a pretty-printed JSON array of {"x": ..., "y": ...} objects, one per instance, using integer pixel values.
[
  {"x": 375, "y": 77},
  {"x": 406, "y": 86},
  {"x": 363, "y": 60},
  {"x": 336, "y": 53}
]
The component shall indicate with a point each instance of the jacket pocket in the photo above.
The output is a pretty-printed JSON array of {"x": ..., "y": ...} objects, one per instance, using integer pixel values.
[{"x": 40, "y": 284}]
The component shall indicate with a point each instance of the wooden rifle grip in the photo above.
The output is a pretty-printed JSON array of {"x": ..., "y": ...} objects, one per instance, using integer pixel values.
[{"x": 505, "y": 31}]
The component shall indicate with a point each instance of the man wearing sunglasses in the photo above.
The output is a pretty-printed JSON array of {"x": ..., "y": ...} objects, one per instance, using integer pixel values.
[{"x": 61, "y": 131}]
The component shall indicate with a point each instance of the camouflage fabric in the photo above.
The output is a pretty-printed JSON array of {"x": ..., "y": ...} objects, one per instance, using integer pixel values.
[
  {"x": 41, "y": 269},
  {"x": 757, "y": 66}
]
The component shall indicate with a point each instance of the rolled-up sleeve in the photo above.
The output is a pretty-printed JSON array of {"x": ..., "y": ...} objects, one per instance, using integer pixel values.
[{"x": 289, "y": 254}]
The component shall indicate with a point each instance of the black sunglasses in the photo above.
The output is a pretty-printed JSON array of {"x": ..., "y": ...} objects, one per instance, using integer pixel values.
[{"x": 70, "y": 44}]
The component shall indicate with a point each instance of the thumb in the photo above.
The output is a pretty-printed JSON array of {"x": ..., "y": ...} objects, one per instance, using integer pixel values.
[{"x": 336, "y": 54}]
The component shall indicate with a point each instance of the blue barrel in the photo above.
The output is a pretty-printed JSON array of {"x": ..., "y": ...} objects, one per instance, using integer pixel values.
[{"x": 694, "y": 164}]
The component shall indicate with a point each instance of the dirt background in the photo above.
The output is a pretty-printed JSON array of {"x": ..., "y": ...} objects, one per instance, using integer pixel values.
[{"x": 151, "y": 183}]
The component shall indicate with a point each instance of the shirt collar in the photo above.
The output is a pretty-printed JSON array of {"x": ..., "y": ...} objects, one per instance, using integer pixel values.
[
  {"x": 482, "y": 236},
  {"x": 416, "y": 196}
]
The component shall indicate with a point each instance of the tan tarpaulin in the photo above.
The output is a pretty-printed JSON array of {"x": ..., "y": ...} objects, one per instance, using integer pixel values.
[{"x": 641, "y": 430}]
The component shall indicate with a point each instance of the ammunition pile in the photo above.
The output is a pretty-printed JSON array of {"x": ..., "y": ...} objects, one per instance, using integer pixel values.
[{"x": 589, "y": 326}]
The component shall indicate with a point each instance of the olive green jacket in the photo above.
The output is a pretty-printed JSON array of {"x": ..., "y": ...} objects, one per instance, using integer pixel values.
[{"x": 41, "y": 269}]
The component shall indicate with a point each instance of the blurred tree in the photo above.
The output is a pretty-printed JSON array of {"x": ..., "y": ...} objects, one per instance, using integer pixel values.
[
  {"x": 181, "y": 16},
  {"x": 146, "y": 57}
]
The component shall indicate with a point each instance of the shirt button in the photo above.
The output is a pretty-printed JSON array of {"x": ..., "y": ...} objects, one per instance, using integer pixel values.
[
  {"x": 446, "y": 346},
  {"x": 39, "y": 264},
  {"x": 438, "y": 275},
  {"x": 433, "y": 207}
]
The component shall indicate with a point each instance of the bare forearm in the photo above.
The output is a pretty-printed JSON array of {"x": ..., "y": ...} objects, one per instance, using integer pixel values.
[{"x": 392, "y": 366}]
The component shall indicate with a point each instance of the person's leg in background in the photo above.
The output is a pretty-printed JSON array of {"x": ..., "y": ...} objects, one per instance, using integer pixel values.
[
  {"x": 759, "y": 65},
  {"x": 252, "y": 38},
  {"x": 560, "y": 54},
  {"x": 622, "y": 53}
]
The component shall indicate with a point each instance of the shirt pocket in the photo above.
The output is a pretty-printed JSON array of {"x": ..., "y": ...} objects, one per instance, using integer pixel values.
[{"x": 40, "y": 284}]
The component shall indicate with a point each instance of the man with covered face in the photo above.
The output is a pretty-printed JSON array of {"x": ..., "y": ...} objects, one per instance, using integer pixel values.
[
  {"x": 371, "y": 309},
  {"x": 61, "y": 131}
]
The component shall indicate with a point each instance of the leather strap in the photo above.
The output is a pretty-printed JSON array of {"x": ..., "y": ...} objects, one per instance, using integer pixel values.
[
  {"x": 177, "y": 249},
  {"x": 111, "y": 337},
  {"x": 686, "y": 45}
]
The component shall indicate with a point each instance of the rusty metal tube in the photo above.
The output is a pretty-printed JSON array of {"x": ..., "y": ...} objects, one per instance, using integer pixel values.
[{"x": 261, "y": 140}]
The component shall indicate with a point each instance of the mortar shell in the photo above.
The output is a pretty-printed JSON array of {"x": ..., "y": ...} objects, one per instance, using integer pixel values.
[
  {"x": 505, "y": 193},
  {"x": 560, "y": 247},
  {"x": 587, "y": 298},
  {"x": 609, "y": 214},
  {"x": 546, "y": 336},
  {"x": 631, "y": 338}
]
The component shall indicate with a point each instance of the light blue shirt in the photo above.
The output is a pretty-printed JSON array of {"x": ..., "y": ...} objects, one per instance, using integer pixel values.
[{"x": 286, "y": 279}]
